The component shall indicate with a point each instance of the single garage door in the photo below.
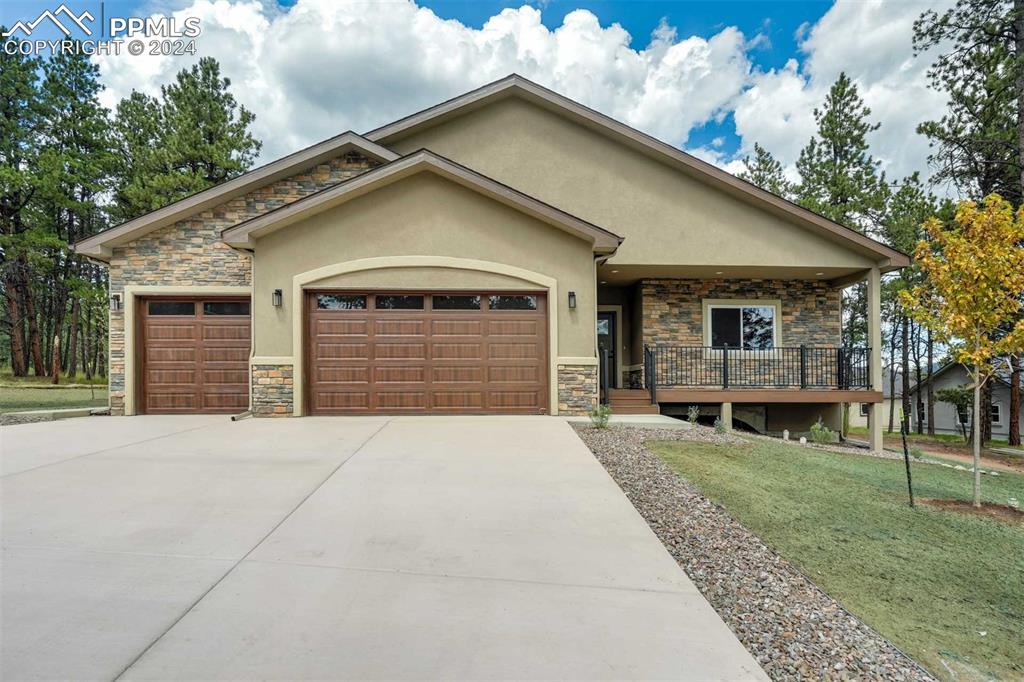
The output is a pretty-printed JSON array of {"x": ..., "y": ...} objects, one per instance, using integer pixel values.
[
  {"x": 194, "y": 355},
  {"x": 407, "y": 353}
]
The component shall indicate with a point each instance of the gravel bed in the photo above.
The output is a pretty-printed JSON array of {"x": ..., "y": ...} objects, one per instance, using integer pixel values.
[{"x": 793, "y": 629}]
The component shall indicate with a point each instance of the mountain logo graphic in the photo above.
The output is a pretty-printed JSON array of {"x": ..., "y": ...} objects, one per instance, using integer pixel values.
[{"x": 68, "y": 15}]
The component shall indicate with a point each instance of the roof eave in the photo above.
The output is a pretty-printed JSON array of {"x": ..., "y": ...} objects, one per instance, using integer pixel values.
[
  {"x": 244, "y": 234},
  {"x": 891, "y": 258},
  {"x": 100, "y": 246}
]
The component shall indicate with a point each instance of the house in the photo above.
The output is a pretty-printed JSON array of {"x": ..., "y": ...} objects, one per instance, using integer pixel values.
[
  {"x": 891, "y": 392},
  {"x": 473, "y": 258},
  {"x": 954, "y": 375}
]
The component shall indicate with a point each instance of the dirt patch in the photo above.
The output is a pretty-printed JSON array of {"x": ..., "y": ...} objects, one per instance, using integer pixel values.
[
  {"x": 961, "y": 453},
  {"x": 999, "y": 512}
]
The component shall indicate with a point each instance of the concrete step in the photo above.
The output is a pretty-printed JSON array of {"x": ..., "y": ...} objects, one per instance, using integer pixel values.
[{"x": 635, "y": 409}]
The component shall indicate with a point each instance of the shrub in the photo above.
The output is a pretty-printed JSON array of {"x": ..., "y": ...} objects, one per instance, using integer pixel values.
[
  {"x": 821, "y": 433},
  {"x": 600, "y": 415},
  {"x": 719, "y": 425},
  {"x": 693, "y": 414}
]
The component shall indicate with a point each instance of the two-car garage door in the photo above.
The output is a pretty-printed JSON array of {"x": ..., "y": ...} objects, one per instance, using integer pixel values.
[{"x": 423, "y": 352}]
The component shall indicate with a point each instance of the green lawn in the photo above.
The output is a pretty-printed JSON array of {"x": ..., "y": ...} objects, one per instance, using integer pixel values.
[
  {"x": 932, "y": 581},
  {"x": 19, "y": 398}
]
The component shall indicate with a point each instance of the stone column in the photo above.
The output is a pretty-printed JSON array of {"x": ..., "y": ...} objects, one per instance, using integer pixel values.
[{"x": 875, "y": 416}]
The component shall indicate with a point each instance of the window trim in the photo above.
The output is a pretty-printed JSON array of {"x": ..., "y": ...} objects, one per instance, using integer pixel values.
[{"x": 708, "y": 303}]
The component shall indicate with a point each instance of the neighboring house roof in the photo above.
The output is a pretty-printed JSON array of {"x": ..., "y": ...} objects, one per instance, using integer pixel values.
[
  {"x": 1001, "y": 377},
  {"x": 515, "y": 85},
  {"x": 243, "y": 234},
  {"x": 99, "y": 245}
]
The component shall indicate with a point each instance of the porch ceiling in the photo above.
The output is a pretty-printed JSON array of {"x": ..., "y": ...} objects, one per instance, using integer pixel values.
[{"x": 613, "y": 274}]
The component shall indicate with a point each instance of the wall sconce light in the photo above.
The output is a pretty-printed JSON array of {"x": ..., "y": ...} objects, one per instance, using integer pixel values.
[
  {"x": 115, "y": 302},
  {"x": 572, "y": 300},
  {"x": 278, "y": 298}
]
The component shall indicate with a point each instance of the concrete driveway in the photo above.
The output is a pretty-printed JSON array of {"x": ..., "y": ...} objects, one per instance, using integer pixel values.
[{"x": 434, "y": 547}]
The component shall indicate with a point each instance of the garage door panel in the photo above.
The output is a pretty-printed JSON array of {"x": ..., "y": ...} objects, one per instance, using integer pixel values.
[
  {"x": 471, "y": 328},
  {"x": 458, "y": 351},
  {"x": 514, "y": 374},
  {"x": 400, "y": 351},
  {"x": 226, "y": 332},
  {"x": 332, "y": 374},
  {"x": 343, "y": 351},
  {"x": 350, "y": 400},
  {"x": 402, "y": 400},
  {"x": 173, "y": 332},
  {"x": 473, "y": 374},
  {"x": 528, "y": 328},
  {"x": 425, "y": 360},
  {"x": 458, "y": 400},
  {"x": 401, "y": 327},
  {"x": 195, "y": 363},
  {"x": 154, "y": 355},
  {"x": 158, "y": 377},
  {"x": 328, "y": 327},
  {"x": 233, "y": 354},
  {"x": 416, "y": 374},
  {"x": 513, "y": 351}
]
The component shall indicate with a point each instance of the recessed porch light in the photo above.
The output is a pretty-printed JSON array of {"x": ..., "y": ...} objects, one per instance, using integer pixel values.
[
  {"x": 819, "y": 274},
  {"x": 614, "y": 271},
  {"x": 718, "y": 272}
]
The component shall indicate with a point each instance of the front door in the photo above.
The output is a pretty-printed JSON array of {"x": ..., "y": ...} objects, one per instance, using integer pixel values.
[{"x": 606, "y": 322}]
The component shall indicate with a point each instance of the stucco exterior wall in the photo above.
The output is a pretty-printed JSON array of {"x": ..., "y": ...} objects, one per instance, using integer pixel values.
[
  {"x": 422, "y": 216},
  {"x": 666, "y": 216},
  {"x": 189, "y": 253}
]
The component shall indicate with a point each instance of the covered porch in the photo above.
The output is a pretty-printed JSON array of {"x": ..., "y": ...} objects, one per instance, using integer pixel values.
[{"x": 767, "y": 339}]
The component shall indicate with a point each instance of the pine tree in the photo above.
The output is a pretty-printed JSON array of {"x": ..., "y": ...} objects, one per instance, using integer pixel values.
[
  {"x": 838, "y": 176},
  {"x": 766, "y": 172},
  {"x": 75, "y": 162},
  {"x": 840, "y": 180},
  {"x": 194, "y": 136},
  {"x": 979, "y": 143},
  {"x": 19, "y": 128}
]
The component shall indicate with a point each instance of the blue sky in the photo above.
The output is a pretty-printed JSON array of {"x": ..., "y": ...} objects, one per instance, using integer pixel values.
[
  {"x": 733, "y": 73},
  {"x": 778, "y": 21}
]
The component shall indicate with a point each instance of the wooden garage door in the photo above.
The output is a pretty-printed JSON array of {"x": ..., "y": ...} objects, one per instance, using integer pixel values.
[
  {"x": 408, "y": 353},
  {"x": 194, "y": 355}
]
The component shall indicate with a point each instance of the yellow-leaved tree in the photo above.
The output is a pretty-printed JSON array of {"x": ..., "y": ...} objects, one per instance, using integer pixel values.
[{"x": 971, "y": 294}]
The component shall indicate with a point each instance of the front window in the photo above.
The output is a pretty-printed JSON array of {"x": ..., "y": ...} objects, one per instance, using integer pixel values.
[
  {"x": 750, "y": 327},
  {"x": 997, "y": 413}
]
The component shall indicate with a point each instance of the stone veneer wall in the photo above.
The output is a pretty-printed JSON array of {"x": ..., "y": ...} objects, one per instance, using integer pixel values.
[
  {"x": 577, "y": 389},
  {"x": 273, "y": 390},
  {"x": 673, "y": 309},
  {"x": 190, "y": 253}
]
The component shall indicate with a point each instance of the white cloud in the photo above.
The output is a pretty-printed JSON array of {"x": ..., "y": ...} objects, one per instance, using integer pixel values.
[
  {"x": 321, "y": 67},
  {"x": 871, "y": 41}
]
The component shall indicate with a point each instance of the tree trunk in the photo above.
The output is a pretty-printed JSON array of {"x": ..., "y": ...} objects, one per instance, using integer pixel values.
[
  {"x": 986, "y": 413},
  {"x": 976, "y": 446},
  {"x": 34, "y": 342},
  {"x": 1018, "y": 29},
  {"x": 904, "y": 393},
  {"x": 86, "y": 335},
  {"x": 931, "y": 386},
  {"x": 72, "y": 352},
  {"x": 18, "y": 366},
  {"x": 1014, "y": 400},
  {"x": 55, "y": 360},
  {"x": 892, "y": 401}
]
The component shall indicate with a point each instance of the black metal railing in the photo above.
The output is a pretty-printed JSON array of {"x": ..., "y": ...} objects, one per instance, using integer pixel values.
[{"x": 813, "y": 367}]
